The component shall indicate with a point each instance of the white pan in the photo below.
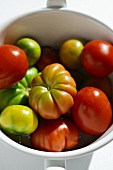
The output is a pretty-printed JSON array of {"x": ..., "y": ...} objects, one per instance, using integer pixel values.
[{"x": 51, "y": 26}]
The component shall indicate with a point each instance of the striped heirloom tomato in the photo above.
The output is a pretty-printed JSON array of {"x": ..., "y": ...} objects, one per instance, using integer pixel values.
[{"x": 52, "y": 92}]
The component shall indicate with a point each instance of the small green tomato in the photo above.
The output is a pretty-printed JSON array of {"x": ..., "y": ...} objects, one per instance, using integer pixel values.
[
  {"x": 70, "y": 52},
  {"x": 31, "y": 48}
]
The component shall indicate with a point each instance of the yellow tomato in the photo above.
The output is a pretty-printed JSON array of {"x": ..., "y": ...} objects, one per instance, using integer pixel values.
[
  {"x": 70, "y": 53},
  {"x": 18, "y": 119}
]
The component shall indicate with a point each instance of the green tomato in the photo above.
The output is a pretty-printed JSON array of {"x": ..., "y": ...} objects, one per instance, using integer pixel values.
[
  {"x": 70, "y": 52},
  {"x": 31, "y": 48},
  {"x": 18, "y": 93},
  {"x": 31, "y": 73},
  {"x": 18, "y": 119}
]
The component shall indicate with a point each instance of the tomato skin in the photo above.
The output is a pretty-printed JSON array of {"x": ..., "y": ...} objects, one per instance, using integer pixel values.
[
  {"x": 55, "y": 135},
  {"x": 92, "y": 111},
  {"x": 52, "y": 92},
  {"x": 30, "y": 74},
  {"x": 70, "y": 52},
  {"x": 18, "y": 119},
  {"x": 97, "y": 58},
  {"x": 48, "y": 56},
  {"x": 13, "y": 65},
  {"x": 18, "y": 94},
  {"x": 31, "y": 48}
]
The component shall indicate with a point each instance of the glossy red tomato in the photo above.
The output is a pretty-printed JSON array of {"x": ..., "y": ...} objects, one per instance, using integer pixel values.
[
  {"x": 13, "y": 65},
  {"x": 55, "y": 135},
  {"x": 92, "y": 111},
  {"x": 97, "y": 58}
]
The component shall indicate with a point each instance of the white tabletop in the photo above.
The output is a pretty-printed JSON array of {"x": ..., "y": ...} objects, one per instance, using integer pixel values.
[{"x": 100, "y": 9}]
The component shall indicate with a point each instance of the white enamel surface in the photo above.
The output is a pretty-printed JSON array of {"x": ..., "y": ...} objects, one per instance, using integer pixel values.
[
  {"x": 61, "y": 26},
  {"x": 55, "y": 168},
  {"x": 51, "y": 27}
]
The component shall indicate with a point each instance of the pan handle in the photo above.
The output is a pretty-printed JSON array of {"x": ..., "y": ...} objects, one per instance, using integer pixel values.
[
  {"x": 56, "y": 3},
  {"x": 55, "y": 164},
  {"x": 55, "y": 168}
]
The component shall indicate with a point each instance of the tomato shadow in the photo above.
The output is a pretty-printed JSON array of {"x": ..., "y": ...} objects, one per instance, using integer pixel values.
[{"x": 82, "y": 162}]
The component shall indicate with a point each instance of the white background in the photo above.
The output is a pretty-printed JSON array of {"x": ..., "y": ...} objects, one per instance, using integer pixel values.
[{"x": 100, "y": 9}]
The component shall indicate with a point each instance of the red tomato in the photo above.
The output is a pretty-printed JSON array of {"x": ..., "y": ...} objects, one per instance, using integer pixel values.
[
  {"x": 55, "y": 135},
  {"x": 92, "y": 111},
  {"x": 13, "y": 65},
  {"x": 97, "y": 58},
  {"x": 48, "y": 56}
]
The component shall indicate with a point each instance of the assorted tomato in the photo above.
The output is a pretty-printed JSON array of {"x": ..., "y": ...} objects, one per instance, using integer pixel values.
[
  {"x": 13, "y": 65},
  {"x": 97, "y": 58},
  {"x": 92, "y": 111},
  {"x": 18, "y": 119},
  {"x": 55, "y": 135},
  {"x": 71, "y": 93},
  {"x": 52, "y": 92},
  {"x": 70, "y": 52},
  {"x": 31, "y": 48},
  {"x": 18, "y": 93}
]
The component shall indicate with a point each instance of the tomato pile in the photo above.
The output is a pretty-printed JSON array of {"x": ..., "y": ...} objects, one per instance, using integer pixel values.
[{"x": 55, "y": 95}]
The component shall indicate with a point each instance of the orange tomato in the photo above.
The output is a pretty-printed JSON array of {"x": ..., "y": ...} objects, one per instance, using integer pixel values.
[
  {"x": 52, "y": 92},
  {"x": 55, "y": 135}
]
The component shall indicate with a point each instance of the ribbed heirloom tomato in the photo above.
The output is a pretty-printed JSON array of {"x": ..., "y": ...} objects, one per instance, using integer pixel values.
[
  {"x": 97, "y": 58},
  {"x": 52, "y": 92},
  {"x": 55, "y": 135},
  {"x": 92, "y": 111},
  {"x": 13, "y": 65}
]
